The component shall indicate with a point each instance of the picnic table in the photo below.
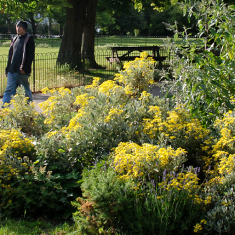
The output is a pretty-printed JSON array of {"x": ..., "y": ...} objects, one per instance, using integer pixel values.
[{"x": 115, "y": 57}]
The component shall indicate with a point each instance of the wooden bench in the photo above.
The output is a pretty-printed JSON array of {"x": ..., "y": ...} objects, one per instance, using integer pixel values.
[{"x": 128, "y": 50}]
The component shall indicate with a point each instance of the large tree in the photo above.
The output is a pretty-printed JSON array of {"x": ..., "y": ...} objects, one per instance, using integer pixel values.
[
  {"x": 89, "y": 33},
  {"x": 70, "y": 49},
  {"x": 82, "y": 15},
  {"x": 28, "y": 9},
  {"x": 80, "y": 18}
]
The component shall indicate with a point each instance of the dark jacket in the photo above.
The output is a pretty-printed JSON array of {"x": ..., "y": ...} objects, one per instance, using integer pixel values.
[{"x": 21, "y": 54}]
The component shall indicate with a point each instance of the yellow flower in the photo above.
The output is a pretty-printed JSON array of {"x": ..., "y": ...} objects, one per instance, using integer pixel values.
[
  {"x": 113, "y": 113},
  {"x": 197, "y": 228},
  {"x": 133, "y": 160},
  {"x": 95, "y": 83}
]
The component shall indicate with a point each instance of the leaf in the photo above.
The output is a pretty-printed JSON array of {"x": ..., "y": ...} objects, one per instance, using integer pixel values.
[
  {"x": 228, "y": 36},
  {"x": 229, "y": 105},
  {"x": 61, "y": 151},
  {"x": 195, "y": 87},
  {"x": 202, "y": 85}
]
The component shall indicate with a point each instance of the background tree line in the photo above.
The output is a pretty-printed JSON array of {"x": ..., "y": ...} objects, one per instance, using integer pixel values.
[
  {"x": 80, "y": 18},
  {"x": 132, "y": 21}
]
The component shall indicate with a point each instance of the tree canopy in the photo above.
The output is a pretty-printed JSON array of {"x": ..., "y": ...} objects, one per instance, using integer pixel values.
[{"x": 80, "y": 20}]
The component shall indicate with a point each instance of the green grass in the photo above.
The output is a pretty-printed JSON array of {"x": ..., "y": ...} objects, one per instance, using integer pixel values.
[
  {"x": 4, "y": 50},
  {"x": 48, "y": 75},
  {"x": 127, "y": 41},
  {"x": 35, "y": 227},
  {"x": 54, "y": 43}
]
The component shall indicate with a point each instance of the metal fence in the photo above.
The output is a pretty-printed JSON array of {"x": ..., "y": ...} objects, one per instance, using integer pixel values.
[
  {"x": 47, "y": 73},
  {"x": 100, "y": 40}
]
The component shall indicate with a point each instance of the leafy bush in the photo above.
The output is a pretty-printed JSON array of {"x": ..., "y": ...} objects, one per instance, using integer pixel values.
[
  {"x": 112, "y": 203},
  {"x": 202, "y": 91},
  {"x": 105, "y": 198},
  {"x": 105, "y": 116},
  {"x": 43, "y": 45},
  {"x": 22, "y": 115},
  {"x": 132, "y": 161},
  {"x": 6, "y": 44},
  {"x": 77, "y": 127},
  {"x": 138, "y": 75},
  {"x": 203, "y": 73},
  {"x": 175, "y": 127},
  {"x": 30, "y": 184}
]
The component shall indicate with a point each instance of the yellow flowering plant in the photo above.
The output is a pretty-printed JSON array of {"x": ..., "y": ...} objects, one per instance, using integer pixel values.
[
  {"x": 138, "y": 75},
  {"x": 22, "y": 115},
  {"x": 105, "y": 117},
  {"x": 176, "y": 128},
  {"x": 219, "y": 217},
  {"x": 59, "y": 107},
  {"x": 152, "y": 199},
  {"x": 133, "y": 161},
  {"x": 149, "y": 141}
]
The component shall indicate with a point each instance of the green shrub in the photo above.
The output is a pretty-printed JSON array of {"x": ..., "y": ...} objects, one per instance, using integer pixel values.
[
  {"x": 105, "y": 116},
  {"x": 6, "y": 44},
  {"x": 203, "y": 75},
  {"x": 32, "y": 184},
  {"x": 43, "y": 45},
  {"x": 22, "y": 115},
  {"x": 146, "y": 206},
  {"x": 105, "y": 199},
  {"x": 77, "y": 127}
]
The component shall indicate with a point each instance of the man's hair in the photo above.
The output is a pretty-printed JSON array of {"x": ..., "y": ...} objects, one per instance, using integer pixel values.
[{"x": 23, "y": 24}]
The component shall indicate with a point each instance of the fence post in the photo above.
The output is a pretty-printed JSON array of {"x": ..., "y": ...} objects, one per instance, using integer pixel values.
[{"x": 34, "y": 85}]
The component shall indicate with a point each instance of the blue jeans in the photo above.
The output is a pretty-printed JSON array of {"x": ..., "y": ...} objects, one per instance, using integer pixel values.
[{"x": 13, "y": 81}]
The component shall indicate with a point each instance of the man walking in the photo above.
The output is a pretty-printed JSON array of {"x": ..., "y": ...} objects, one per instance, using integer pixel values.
[{"x": 20, "y": 58}]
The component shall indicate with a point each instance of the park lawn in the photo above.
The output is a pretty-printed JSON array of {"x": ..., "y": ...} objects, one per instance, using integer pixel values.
[
  {"x": 35, "y": 227},
  {"x": 128, "y": 41},
  {"x": 47, "y": 74},
  {"x": 111, "y": 40},
  {"x": 48, "y": 45},
  {"x": 4, "y": 50}
]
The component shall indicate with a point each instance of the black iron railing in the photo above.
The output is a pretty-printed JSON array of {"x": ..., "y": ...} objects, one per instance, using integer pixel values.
[{"x": 47, "y": 73}]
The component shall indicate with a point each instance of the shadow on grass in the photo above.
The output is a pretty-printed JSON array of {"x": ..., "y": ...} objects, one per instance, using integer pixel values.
[{"x": 101, "y": 73}]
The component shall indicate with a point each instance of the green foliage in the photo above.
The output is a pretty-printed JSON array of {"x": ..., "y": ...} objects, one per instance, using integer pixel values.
[
  {"x": 112, "y": 204},
  {"x": 203, "y": 74},
  {"x": 219, "y": 218},
  {"x": 31, "y": 184},
  {"x": 5, "y": 44},
  {"x": 42, "y": 157},
  {"x": 22, "y": 115},
  {"x": 99, "y": 127},
  {"x": 108, "y": 197},
  {"x": 43, "y": 45}
]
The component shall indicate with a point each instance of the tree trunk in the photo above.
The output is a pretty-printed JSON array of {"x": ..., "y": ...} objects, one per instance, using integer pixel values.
[
  {"x": 33, "y": 23},
  {"x": 88, "y": 46},
  {"x": 61, "y": 30},
  {"x": 49, "y": 29},
  {"x": 70, "y": 49},
  {"x": 9, "y": 25}
]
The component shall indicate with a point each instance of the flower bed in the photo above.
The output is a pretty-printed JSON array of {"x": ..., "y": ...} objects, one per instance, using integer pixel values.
[{"x": 121, "y": 161}]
